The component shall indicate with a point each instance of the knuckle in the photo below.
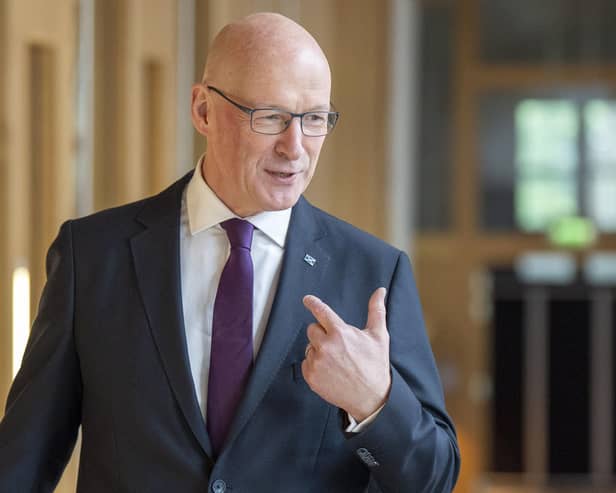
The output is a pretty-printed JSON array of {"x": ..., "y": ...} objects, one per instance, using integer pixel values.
[
  {"x": 337, "y": 336},
  {"x": 306, "y": 371},
  {"x": 310, "y": 377},
  {"x": 310, "y": 330},
  {"x": 330, "y": 343},
  {"x": 382, "y": 335},
  {"x": 339, "y": 327}
]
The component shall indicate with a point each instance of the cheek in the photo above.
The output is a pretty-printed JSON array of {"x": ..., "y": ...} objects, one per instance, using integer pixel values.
[
  {"x": 244, "y": 155},
  {"x": 314, "y": 150},
  {"x": 251, "y": 162},
  {"x": 234, "y": 133}
]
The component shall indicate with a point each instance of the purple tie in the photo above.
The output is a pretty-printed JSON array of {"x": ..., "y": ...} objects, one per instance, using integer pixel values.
[{"x": 231, "y": 356}]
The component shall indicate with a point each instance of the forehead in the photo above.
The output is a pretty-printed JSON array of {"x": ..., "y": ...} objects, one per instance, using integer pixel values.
[{"x": 284, "y": 77}]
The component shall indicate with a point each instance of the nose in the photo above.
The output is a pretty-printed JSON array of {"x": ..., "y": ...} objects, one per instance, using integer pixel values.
[{"x": 289, "y": 143}]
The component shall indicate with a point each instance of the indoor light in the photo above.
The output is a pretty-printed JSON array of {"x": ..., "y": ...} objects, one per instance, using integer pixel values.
[{"x": 21, "y": 314}]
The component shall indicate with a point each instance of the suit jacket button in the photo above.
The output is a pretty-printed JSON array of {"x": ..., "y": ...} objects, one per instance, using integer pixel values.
[
  {"x": 367, "y": 457},
  {"x": 219, "y": 486}
]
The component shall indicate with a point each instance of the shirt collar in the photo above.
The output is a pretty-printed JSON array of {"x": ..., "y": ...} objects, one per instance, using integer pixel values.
[{"x": 206, "y": 210}]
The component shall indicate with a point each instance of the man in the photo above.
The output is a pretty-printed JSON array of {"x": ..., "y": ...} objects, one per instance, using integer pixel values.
[{"x": 185, "y": 335}]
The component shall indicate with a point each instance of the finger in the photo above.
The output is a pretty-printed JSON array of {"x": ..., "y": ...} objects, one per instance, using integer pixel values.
[
  {"x": 377, "y": 314},
  {"x": 304, "y": 369},
  {"x": 327, "y": 317},
  {"x": 315, "y": 333}
]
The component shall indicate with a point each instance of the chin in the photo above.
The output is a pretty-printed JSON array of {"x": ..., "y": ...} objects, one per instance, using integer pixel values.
[{"x": 281, "y": 203}]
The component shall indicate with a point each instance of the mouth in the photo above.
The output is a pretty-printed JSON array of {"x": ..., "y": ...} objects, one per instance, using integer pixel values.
[{"x": 281, "y": 174}]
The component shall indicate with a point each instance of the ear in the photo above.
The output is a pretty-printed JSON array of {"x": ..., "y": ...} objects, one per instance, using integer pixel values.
[{"x": 199, "y": 108}]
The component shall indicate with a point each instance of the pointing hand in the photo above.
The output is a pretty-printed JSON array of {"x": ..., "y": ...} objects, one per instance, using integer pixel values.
[{"x": 345, "y": 366}]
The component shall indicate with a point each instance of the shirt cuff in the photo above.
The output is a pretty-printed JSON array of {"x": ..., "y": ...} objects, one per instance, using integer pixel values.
[{"x": 355, "y": 427}]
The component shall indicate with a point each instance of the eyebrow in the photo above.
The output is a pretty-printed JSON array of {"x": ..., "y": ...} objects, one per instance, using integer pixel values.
[{"x": 320, "y": 107}]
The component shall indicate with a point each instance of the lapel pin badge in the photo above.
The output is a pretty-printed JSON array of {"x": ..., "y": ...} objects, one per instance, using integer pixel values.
[{"x": 310, "y": 260}]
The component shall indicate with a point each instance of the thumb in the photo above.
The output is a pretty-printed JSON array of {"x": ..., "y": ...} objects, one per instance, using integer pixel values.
[{"x": 376, "y": 311}]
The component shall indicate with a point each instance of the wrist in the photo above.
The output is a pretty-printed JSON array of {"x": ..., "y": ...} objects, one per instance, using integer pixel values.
[{"x": 369, "y": 406}]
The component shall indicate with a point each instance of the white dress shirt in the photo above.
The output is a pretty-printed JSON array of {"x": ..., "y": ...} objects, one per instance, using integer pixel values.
[{"x": 204, "y": 250}]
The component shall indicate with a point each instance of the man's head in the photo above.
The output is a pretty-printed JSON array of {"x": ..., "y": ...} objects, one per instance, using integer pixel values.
[{"x": 261, "y": 61}]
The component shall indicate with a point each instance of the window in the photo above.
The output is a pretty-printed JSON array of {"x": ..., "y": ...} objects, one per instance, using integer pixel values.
[
  {"x": 544, "y": 157},
  {"x": 600, "y": 121}
]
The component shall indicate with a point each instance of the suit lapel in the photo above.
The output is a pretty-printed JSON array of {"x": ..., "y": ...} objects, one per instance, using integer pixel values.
[
  {"x": 156, "y": 253},
  {"x": 304, "y": 264}
]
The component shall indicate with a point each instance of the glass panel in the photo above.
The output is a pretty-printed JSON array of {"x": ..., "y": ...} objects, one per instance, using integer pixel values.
[
  {"x": 600, "y": 120},
  {"x": 546, "y": 159},
  {"x": 538, "y": 202},
  {"x": 529, "y": 158},
  {"x": 546, "y": 154},
  {"x": 602, "y": 201},
  {"x": 497, "y": 160},
  {"x": 546, "y": 137},
  {"x": 547, "y": 30}
]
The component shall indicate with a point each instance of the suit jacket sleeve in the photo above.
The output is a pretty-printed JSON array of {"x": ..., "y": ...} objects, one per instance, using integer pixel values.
[
  {"x": 42, "y": 416},
  {"x": 412, "y": 440}
]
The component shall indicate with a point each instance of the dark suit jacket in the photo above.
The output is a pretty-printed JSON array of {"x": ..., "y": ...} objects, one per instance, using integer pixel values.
[{"x": 108, "y": 351}]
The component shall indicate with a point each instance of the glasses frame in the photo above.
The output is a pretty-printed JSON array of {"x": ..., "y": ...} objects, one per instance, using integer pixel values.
[{"x": 251, "y": 111}]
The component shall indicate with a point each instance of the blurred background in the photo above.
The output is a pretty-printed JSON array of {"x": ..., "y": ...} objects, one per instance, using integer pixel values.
[{"x": 478, "y": 135}]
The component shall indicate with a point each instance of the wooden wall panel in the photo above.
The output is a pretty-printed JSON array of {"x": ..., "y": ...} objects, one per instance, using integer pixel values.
[
  {"x": 31, "y": 24},
  {"x": 38, "y": 94},
  {"x": 42, "y": 140},
  {"x": 153, "y": 160},
  {"x": 109, "y": 102},
  {"x": 132, "y": 36},
  {"x": 39, "y": 43},
  {"x": 152, "y": 43},
  {"x": 359, "y": 82}
]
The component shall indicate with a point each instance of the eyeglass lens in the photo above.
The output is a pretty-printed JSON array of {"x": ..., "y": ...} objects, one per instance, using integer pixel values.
[{"x": 314, "y": 123}]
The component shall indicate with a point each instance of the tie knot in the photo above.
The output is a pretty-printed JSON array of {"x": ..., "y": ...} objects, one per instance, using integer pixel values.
[{"x": 239, "y": 232}]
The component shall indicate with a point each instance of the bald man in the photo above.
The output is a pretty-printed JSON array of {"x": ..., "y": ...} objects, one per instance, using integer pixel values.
[{"x": 226, "y": 335}]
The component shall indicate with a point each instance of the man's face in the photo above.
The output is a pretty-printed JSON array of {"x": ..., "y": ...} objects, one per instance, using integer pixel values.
[{"x": 252, "y": 172}]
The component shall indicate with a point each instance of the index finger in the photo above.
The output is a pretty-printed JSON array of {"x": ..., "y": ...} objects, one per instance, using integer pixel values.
[{"x": 327, "y": 317}]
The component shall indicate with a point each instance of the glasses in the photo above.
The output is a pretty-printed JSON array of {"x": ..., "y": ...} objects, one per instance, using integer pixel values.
[{"x": 272, "y": 121}]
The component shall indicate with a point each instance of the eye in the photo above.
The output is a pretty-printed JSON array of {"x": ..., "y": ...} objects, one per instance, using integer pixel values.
[
  {"x": 316, "y": 118},
  {"x": 266, "y": 116}
]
